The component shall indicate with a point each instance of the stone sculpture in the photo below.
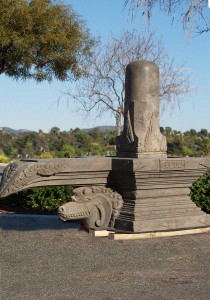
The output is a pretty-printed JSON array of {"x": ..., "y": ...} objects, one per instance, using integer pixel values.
[
  {"x": 97, "y": 207},
  {"x": 141, "y": 136},
  {"x": 18, "y": 176},
  {"x": 141, "y": 190}
]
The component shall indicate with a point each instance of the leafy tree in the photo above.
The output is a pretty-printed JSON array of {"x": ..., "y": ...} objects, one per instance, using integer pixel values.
[
  {"x": 103, "y": 89},
  {"x": 55, "y": 131},
  {"x": 187, "y": 151},
  {"x": 57, "y": 139},
  {"x": 66, "y": 151},
  {"x": 95, "y": 133},
  {"x": 161, "y": 129},
  {"x": 203, "y": 132},
  {"x": 168, "y": 130},
  {"x": 76, "y": 142},
  {"x": 83, "y": 139},
  {"x": 194, "y": 13},
  {"x": 193, "y": 132},
  {"x": 30, "y": 144},
  {"x": 6, "y": 142},
  {"x": 175, "y": 146},
  {"x": 42, "y": 40},
  {"x": 96, "y": 150},
  {"x": 205, "y": 147}
]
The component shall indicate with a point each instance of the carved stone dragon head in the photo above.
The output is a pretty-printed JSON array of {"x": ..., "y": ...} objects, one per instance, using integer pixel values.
[{"x": 96, "y": 206}]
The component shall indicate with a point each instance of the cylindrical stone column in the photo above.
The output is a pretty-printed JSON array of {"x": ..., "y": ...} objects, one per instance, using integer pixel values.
[{"x": 141, "y": 135}]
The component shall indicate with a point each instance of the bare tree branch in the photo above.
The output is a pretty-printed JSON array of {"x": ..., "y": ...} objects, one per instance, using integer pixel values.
[
  {"x": 195, "y": 14},
  {"x": 103, "y": 89}
]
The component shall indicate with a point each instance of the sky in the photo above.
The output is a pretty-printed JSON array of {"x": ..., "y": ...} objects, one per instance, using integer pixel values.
[{"x": 32, "y": 106}]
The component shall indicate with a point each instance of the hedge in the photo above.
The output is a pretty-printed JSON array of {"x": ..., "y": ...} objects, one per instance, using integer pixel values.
[
  {"x": 44, "y": 199},
  {"x": 200, "y": 191}
]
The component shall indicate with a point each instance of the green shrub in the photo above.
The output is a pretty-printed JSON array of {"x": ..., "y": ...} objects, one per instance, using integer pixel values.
[
  {"x": 200, "y": 191},
  {"x": 4, "y": 159},
  {"x": 45, "y": 199},
  {"x": 66, "y": 151},
  {"x": 45, "y": 155}
]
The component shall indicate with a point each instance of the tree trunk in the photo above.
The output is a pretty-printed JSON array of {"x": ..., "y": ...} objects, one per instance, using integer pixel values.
[{"x": 119, "y": 114}]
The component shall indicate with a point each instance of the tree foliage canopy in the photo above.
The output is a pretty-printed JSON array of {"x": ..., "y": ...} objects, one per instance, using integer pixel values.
[
  {"x": 41, "y": 39},
  {"x": 92, "y": 142}
]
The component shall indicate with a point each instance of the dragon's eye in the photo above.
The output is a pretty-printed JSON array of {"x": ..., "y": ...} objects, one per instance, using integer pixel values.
[{"x": 87, "y": 191}]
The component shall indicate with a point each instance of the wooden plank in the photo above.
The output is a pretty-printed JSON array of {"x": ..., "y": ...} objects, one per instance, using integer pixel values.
[
  {"x": 148, "y": 235},
  {"x": 99, "y": 233}
]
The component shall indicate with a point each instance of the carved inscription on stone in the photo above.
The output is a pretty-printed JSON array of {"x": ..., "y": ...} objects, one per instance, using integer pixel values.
[
  {"x": 172, "y": 164},
  {"x": 140, "y": 166}
]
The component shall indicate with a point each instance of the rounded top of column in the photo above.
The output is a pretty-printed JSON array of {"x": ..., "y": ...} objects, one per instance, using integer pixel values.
[
  {"x": 140, "y": 64},
  {"x": 141, "y": 80}
]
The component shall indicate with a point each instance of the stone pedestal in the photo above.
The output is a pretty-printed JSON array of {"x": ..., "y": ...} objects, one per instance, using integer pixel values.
[
  {"x": 156, "y": 194},
  {"x": 155, "y": 189}
]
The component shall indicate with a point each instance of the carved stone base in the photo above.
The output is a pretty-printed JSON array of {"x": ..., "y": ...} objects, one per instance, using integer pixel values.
[
  {"x": 155, "y": 191},
  {"x": 198, "y": 220},
  {"x": 156, "y": 195}
]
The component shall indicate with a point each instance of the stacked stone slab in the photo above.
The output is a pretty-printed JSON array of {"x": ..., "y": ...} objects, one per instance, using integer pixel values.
[{"x": 156, "y": 194}]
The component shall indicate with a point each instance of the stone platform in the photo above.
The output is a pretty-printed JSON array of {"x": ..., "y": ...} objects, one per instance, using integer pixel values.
[
  {"x": 156, "y": 195},
  {"x": 155, "y": 192}
]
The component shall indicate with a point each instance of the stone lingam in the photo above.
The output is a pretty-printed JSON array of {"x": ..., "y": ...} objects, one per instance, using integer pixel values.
[
  {"x": 141, "y": 136},
  {"x": 140, "y": 190}
]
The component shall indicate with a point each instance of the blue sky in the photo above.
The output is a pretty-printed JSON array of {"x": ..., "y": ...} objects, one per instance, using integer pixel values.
[{"x": 35, "y": 106}]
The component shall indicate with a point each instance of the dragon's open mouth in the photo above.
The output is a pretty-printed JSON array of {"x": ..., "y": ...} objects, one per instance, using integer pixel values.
[{"x": 81, "y": 215}]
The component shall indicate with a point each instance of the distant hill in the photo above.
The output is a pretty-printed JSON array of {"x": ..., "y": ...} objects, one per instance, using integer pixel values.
[
  {"x": 101, "y": 128},
  {"x": 17, "y": 131},
  {"x": 14, "y": 131}
]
